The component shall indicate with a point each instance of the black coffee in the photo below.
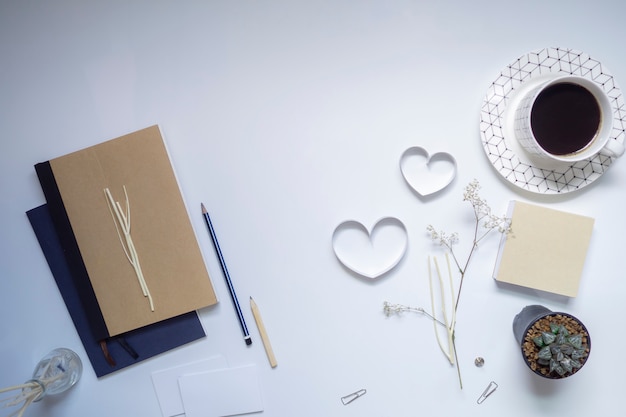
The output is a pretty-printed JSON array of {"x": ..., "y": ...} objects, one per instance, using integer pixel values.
[{"x": 565, "y": 118}]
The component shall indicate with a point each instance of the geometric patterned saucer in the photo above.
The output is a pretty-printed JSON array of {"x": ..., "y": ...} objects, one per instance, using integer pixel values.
[{"x": 496, "y": 121}]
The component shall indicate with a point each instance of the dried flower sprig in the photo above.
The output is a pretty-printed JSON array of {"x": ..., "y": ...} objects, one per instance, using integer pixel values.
[
  {"x": 483, "y": 216},
  {"x": 489, "y": 222},
  {"x": 390, "y": 309}
]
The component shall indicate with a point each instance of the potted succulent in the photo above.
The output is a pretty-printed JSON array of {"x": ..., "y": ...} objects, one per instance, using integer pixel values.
[{"x": 554, "y": 345}]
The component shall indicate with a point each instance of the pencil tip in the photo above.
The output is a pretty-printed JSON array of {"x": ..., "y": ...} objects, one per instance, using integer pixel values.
[{"x": 203, "y": 208}]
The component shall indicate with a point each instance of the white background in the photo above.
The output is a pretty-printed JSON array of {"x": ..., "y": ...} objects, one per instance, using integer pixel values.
[{"x": 287, "y": 118}]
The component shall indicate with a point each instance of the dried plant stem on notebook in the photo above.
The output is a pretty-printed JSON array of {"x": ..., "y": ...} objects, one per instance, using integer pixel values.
[
  {"x": 485, "y": 223},
  {"x": 121, "y": 220}
]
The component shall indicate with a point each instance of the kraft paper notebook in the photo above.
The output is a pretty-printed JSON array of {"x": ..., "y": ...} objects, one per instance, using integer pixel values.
[
  {"x": 127, "y": 349},
  {"x": 126, "y": 280},
  {"x": 546, "y": 249}
]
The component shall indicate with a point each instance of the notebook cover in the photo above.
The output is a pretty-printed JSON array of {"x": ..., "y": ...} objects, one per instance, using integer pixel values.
[
  {"x": 546, "y": 249},
  {"x": 136, "y": 165},
  {"x": 147, "y": 342},
  {"x": 75, "y": 264}
]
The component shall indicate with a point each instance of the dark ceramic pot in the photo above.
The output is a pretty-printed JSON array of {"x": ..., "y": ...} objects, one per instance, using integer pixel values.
[{"x": 524, "y": 324}]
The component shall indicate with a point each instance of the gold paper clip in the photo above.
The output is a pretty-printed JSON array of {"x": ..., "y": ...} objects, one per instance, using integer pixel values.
[
  {"x": 487, "y": 392},
  {"x": 351, "y": 397}
]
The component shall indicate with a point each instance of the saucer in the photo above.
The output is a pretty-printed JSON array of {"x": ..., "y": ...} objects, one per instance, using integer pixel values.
[{"x": 497, "y": 112}]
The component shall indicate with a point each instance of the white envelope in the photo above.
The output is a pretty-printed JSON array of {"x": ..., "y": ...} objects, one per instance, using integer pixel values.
[
  {"x": 225, "y": 392},
  {"x": 166, "y": 383}
]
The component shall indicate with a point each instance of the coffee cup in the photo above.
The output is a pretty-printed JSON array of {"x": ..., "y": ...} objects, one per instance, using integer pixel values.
[{"x": 566, "y": 119}]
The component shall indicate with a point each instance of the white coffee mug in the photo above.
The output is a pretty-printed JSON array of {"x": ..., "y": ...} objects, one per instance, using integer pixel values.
[{"x": 597, "y": 140}]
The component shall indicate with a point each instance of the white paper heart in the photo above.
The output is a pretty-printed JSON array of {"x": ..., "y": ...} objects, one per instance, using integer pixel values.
[
  {"x": 425, "y": 173},
  {"x": 374, "y": 253}
]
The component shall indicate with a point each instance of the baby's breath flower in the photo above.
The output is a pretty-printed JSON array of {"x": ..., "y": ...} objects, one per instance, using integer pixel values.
[
  {"x": 441, "y": 237},
  {"x": 390, "y": 308},
  {"x": 502, "y": 224},
  {"x": 471, "y": 192},
  {"x": 481, "y": 208}
]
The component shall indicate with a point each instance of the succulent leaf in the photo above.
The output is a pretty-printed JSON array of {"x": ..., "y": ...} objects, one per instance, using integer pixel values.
[
  {"x": 553, "y": 365},
  {"x": 548, "y": 337},
  {"x": 566, "y": 363},
  {"x": 545, "y": 353},
  {"x": 576, "y": 341}
]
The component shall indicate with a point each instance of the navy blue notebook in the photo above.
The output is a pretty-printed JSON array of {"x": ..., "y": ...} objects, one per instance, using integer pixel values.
[{"x": 126, "y": 349}]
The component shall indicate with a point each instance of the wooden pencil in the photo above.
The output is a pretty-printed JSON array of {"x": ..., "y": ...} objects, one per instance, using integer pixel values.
[{"x": 263, "y": 333}]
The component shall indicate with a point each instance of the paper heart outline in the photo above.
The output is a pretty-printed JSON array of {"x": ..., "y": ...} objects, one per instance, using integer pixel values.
[
  {"x": 391, "y": 263},
  {"x": 433, "y": 182}
]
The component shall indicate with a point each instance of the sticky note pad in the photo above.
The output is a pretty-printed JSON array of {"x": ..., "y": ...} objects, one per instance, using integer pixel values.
[
  {"x": 220, "y": 393},
  {"x": 546, "y": 249}
]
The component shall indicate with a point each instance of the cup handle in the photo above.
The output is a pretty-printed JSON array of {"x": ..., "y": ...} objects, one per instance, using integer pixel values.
[{"x": 613, "y": 148}]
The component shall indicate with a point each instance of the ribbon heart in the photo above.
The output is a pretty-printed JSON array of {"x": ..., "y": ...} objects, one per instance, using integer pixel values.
[
  {"x": 370, "y": 253},
  {"x": 426, "y": 174}
]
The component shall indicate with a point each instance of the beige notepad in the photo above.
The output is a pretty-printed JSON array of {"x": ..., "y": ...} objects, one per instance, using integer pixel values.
[
  {"x": 136, "y": 166},
  {"x": 546, "y": 249}
]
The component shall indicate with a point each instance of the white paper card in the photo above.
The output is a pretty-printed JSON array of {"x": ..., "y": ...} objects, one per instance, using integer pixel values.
[
  {"x": 226, "y": 392},
  {"x": 166, "y": 383}
]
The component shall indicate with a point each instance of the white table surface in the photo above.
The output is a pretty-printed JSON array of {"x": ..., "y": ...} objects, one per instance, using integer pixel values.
[{"x": 286, "y": 118}]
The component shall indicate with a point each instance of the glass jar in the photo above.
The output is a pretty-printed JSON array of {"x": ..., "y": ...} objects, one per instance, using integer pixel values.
[{"x": 56, "y": 372}]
